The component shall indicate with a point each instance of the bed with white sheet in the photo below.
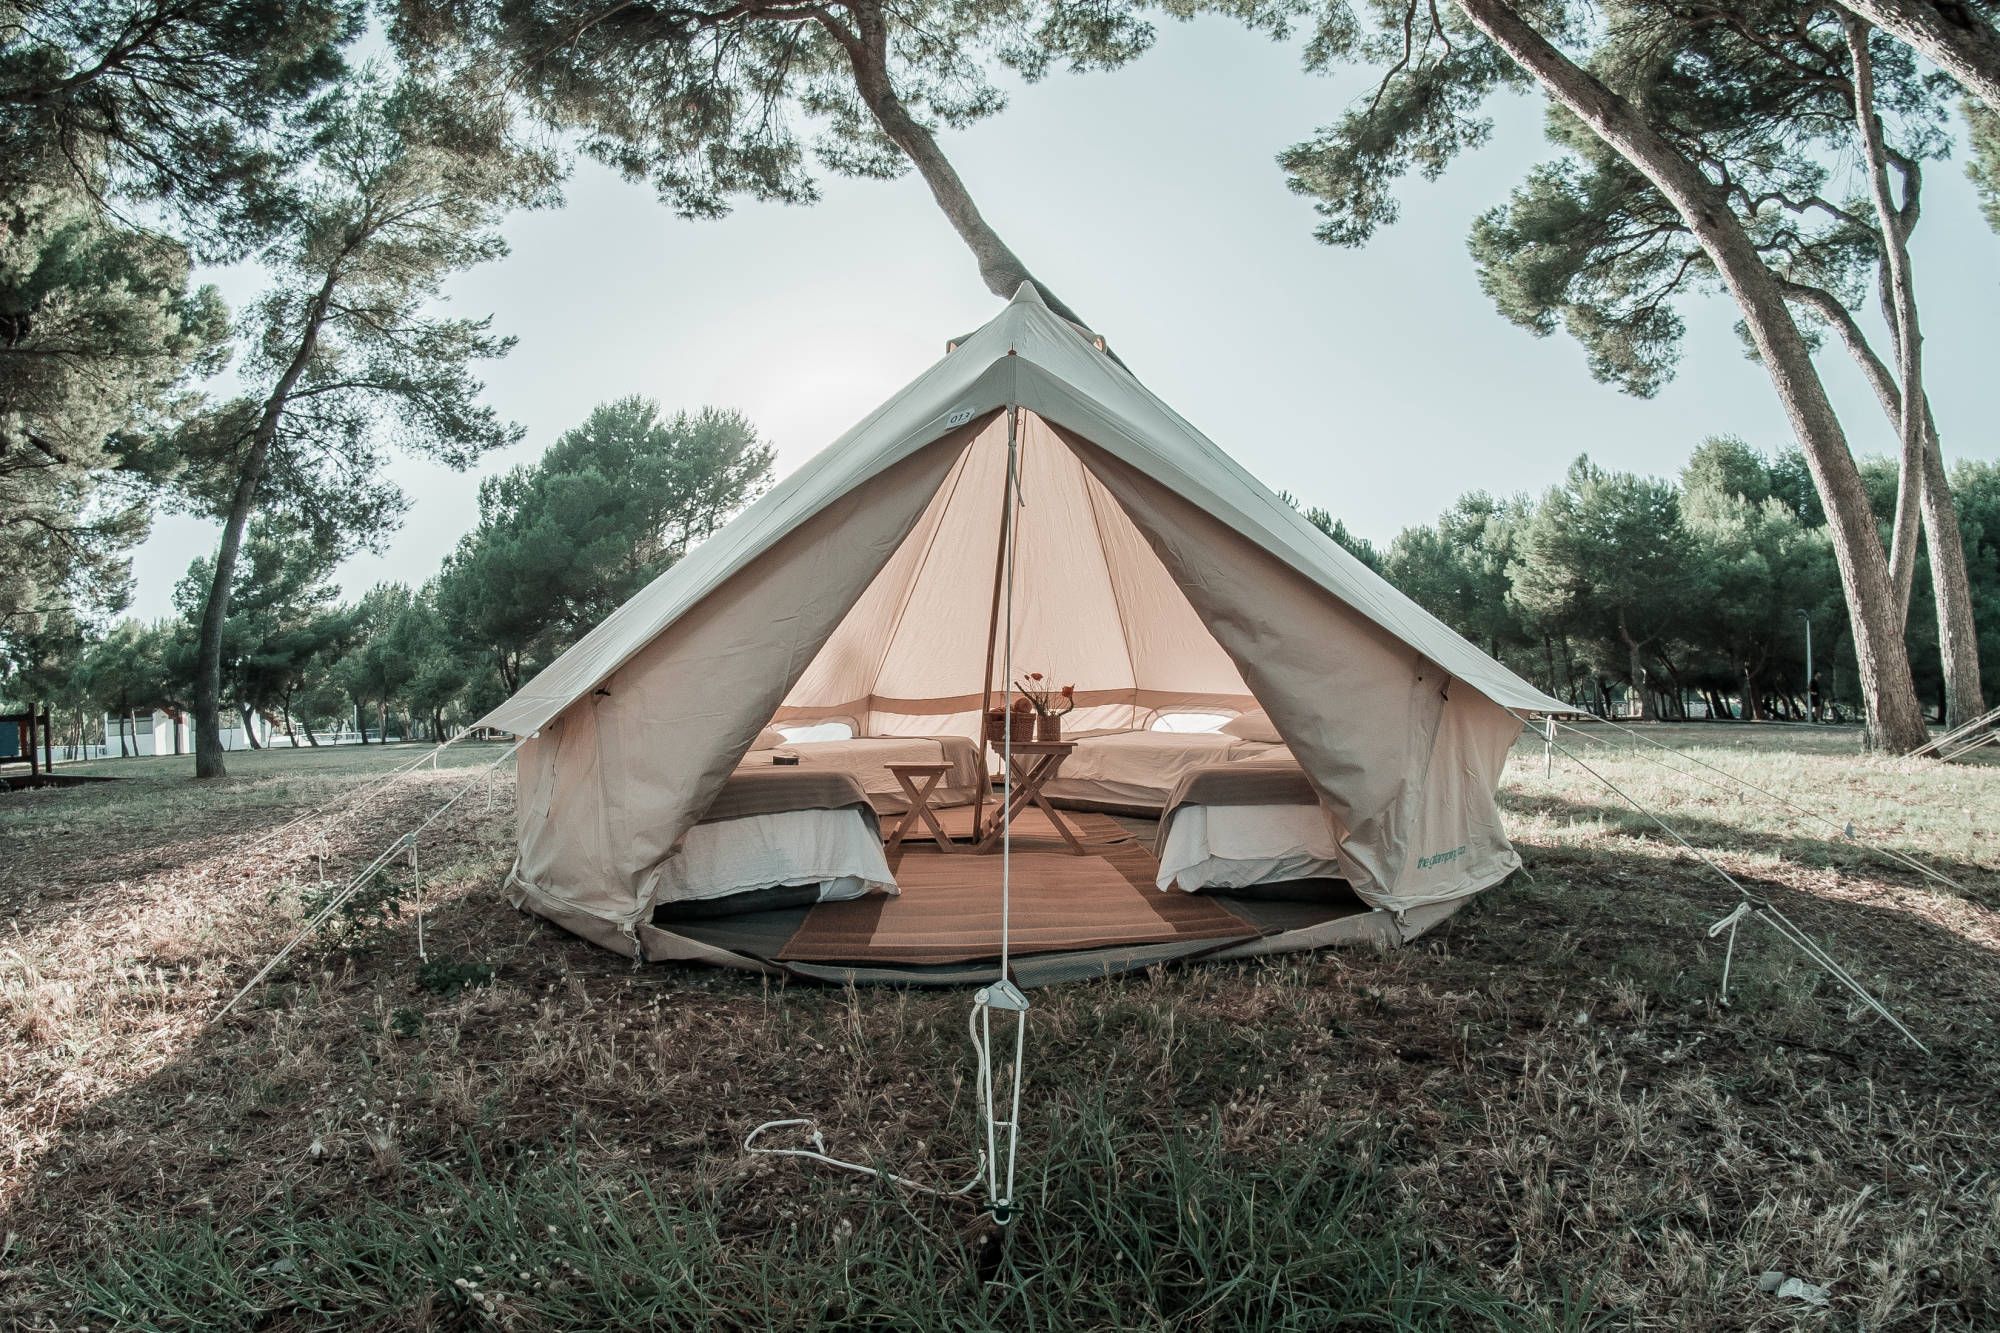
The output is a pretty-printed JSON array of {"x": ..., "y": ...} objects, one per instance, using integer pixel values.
[
  {"x": 1138, "y": 770},
  {"x": 1237, "y": 826},
  {"x": 867, "y": 760},
  {"x": 776, "y": 837}
]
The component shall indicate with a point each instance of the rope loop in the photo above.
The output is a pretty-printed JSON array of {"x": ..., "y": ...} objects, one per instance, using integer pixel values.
[{"x": 818, "y": 1153}]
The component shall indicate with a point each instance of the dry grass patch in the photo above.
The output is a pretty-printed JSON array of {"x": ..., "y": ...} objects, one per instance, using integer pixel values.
[{"x": 1540, "y": 1116}]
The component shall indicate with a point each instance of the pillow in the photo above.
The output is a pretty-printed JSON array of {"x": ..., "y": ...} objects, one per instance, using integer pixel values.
[
  {"x": 1252, "y": 727},
  {"x": 770, "y": 738}
]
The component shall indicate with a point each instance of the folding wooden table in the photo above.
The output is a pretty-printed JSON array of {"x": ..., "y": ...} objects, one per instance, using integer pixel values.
[{"x": 1044, "y": 760}]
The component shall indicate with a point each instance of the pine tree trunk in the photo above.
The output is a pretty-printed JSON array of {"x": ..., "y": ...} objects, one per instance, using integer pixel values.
[
  {"x": 1908, "y": 521},
  {"x": 1925, "y": 485},
  {"x": 1895, "y": 720},
  {"x": 1951, "y": 581},
  {"x": 1904, "y": 527},
  {"x": 1635, "y": 665},
  {"x": 215, "y": 610},
  {"x": 249, "y": 726},
  {"x": 1952, "y": 36},
  {"x": 214, "y": 614},
  {"x": 1951, "y": 587},
  {"x": 866, "y": 45},
  {"x": 1899, "y": 307}
]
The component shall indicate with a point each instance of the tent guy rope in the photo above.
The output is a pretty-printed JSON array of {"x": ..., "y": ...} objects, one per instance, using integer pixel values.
[
  {"x": 358, "y": 796},
  {"x": 406, "y": 842},
  {"x": 818, "y": 1153},
  {"x": 1754, "y": 905},
  {"x": 1003, "y": 994},
  {"x": 1846, "y": 830},
  {"x": 1962, "y": 739},
  {"x": 1002, "y": 1136}
]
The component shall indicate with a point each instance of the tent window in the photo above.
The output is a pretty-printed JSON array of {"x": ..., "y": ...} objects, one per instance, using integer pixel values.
[
  {"x": 1189, "y": 721},
  {"x": 819, "y": 731}
]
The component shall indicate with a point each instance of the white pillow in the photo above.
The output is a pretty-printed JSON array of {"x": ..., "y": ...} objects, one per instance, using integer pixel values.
[
  {"x": 1252, "y": 727},
  {"x": 770, "y": 738}
]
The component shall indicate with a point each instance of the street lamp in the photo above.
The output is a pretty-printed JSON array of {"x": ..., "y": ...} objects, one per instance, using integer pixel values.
[{"x": 1812, "y": 708}]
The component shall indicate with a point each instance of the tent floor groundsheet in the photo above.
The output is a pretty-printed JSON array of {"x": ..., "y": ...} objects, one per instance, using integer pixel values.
[{"x": 1071, "y": 918}]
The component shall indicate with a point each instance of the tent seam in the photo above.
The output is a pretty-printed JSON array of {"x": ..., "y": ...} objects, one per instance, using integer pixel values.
[
  {"x": 1097, "y": 526},
  {"x": 916, "y": 575}
]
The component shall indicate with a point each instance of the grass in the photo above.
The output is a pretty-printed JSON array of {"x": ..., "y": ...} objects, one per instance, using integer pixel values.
[
  {"x": 1176, "y": 1229},
  {"x": 1539, "y": 1116}
]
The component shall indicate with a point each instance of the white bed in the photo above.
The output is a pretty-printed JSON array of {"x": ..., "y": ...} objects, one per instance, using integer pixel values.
[
  {"x": 1238, "y": 846},
  {"x": 779, "y": 836},
  {"x": 868, "y": 758},
  {"x": 1246, "y": 824},
  {"x": 838, "y": 850},
  {"x": 1139, "y": 769}
]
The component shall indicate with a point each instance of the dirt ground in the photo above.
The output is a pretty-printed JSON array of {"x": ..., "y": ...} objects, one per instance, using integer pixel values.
[{"x": 1540, "y": 1115}]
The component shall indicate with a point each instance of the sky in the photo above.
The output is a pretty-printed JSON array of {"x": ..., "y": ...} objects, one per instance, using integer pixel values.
[{"x": 1378, "y": 383}]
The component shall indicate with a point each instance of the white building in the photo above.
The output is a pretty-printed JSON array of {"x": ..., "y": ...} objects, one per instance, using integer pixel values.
[{"x": 158, "y": 733}]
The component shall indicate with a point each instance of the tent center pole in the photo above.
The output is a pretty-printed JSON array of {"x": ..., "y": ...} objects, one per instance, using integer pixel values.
[{"x": 993, "y": 630}]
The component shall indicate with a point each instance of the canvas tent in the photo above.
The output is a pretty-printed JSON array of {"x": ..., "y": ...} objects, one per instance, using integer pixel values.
[{"x": 1149, "y": 568}]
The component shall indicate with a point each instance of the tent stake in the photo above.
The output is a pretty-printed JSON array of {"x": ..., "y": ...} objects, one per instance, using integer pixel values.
[{"x": 417, "y": 891}]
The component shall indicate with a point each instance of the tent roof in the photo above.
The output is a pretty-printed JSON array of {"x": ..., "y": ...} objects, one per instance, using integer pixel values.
[{"x": 1030, "y": 357}]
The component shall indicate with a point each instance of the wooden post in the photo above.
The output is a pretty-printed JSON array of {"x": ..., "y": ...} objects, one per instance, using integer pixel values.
[
  {"x": 48, "y": 741},
  {"x": 34, "y": 760},
  {"x": 993, "y": 625}
]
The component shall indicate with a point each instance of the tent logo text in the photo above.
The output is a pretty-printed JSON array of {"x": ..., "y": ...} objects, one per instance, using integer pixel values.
[
  {"x": 1440, "y": 858},
  {"x": 959, "y": 418}
]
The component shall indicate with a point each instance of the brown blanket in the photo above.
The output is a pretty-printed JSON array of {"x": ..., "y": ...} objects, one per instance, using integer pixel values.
[
  {"x": 1238, "y": 784},
  {"x": 775, "y": 790}
]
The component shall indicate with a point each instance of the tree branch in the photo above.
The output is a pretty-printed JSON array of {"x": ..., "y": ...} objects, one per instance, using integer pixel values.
[{"x": 866, "y": 45}]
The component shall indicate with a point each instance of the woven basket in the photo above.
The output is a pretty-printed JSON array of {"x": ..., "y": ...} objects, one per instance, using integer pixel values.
[{"x": 998, "y": 725}]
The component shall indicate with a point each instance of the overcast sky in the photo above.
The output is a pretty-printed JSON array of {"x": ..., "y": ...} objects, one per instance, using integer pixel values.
[{"x": 1376, "y": 382}]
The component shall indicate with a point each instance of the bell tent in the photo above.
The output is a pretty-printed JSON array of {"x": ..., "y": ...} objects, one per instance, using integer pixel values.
[{"x": 1122, "y": 550}]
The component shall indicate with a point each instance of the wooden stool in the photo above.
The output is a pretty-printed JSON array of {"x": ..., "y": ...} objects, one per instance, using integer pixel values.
[{"x": 918, "y": 781}]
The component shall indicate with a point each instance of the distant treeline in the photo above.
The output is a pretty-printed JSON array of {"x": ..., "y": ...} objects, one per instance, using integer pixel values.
[
  {"x": 1690, "y": 592},
  {"x": 1691, "y": 595},
  {"x": 560, "y": 543}
]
